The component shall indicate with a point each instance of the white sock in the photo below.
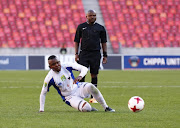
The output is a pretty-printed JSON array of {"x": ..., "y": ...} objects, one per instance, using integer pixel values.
[{"x": 97, "y": 95}]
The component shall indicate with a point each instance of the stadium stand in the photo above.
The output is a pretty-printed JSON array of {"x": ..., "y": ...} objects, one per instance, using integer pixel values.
[
  {"x": 52, "y": 23},
  {"x": 142, "y": 23},
  {"x": 39, "y": 23}
]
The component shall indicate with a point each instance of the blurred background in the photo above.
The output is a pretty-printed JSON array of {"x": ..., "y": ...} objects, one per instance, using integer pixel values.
[{"x": 30, "y": 30}]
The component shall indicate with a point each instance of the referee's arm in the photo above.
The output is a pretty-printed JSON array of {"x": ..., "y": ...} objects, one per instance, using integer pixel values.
[
  {"x": 77, "y": 38},
  {"x": 76, "y": 51},
  {"x": 76, "y": 47},
  {"x": 104, "y": 48}
]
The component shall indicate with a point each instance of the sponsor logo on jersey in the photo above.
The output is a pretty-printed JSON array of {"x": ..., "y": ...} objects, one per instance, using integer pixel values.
[
  {"x": 84, "y": 28},
  {"x": 45, "y": 84},
  {"x": 63, "y": 78}
]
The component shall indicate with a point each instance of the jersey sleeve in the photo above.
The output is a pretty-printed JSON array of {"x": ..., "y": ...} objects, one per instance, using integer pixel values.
[
  {"x": 75, "y": 66},
  {"x": 103, "y": 35},
  {"x": 78, "y": 34},
  {"x": 44, "y": 90}
]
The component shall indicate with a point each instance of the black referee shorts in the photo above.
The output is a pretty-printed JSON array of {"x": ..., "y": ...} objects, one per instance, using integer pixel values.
[{"x": 90, "y": 59}]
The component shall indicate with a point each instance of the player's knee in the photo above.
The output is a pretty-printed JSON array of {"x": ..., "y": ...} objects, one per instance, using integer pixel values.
[
  {"x": 85, "y": 107},
  {"x": 92, "y": 89},
  {"x": 90, "y": 86}
]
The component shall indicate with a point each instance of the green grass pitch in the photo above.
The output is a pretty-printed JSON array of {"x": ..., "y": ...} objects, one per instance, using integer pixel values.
[{"x": 160, "y": 89}]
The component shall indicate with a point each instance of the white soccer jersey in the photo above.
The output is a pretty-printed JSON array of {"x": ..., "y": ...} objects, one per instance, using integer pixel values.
[{"x": 62, "y": 81}]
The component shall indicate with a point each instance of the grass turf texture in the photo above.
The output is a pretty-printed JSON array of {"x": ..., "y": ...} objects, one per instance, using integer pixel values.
[{"x": 20, "y": 90}]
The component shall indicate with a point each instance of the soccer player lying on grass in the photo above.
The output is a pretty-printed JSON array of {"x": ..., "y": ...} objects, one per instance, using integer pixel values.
[{"x": 69, "y": 88}]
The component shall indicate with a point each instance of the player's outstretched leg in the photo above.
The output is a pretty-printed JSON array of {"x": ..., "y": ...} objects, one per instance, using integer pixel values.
[
  {"x": 91, "y": 89},
  {"x": 84, "y": 106},
  {"x": 79, "y": 104}
]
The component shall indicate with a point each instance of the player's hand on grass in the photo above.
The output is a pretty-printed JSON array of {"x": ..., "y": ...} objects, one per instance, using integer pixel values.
[{"x": 77, "y": 79}]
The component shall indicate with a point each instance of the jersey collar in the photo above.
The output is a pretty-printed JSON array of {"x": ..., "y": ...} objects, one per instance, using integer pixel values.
[{"x": 93, "y": 23}]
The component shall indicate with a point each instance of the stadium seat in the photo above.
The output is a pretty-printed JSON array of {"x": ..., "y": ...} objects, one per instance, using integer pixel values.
[
  {"x": 51, "y": 23},
  {"x": 152, "y": 23},
  {"x": 33, "y": 23}
]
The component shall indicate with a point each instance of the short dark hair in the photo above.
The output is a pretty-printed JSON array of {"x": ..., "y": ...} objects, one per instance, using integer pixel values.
[
  {"x": 91, "y": 11},
  {"x": 51, "y": 57}
]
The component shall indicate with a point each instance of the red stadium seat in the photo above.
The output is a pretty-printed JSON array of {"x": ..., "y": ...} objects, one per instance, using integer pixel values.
[
  {"x": 50, "y": 23},
  {"x": 37, "y": 22},
  {"x": 148, "y": 23},
  {"x": 11, "y": 44},
  {"x": 145, "y": 44},
  {"x": 167, "y": 43},
  {"x": 138, "y": 45}
]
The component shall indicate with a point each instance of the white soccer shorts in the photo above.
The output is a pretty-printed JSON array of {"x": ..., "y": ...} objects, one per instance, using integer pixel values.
[{"x": 76, "y": 100}]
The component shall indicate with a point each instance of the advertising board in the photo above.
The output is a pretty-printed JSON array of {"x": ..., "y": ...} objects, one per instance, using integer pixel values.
[
  {"x": 151, "y": 62},
  {"x": 12, "y": 62},
  {"x": 36, "y": 62}
]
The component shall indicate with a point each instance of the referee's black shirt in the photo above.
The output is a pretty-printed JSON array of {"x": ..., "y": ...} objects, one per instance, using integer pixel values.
[{"x": 91, "y": 36}]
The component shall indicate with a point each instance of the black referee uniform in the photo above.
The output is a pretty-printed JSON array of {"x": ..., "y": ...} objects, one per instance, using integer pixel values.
[{"x": 90, "y": 37}]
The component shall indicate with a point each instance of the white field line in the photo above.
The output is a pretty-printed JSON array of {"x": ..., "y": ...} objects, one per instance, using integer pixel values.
[
  {"x": 106, "y": 82},
  {"x": 11, "y": 87},
  {"x": 172, "y": 86},
  {"x": 115, "y": 84},
  {"x": 20, "y": 81},
  {"x": 102, "y": 86},
  {"x": 21, "y": 87}
]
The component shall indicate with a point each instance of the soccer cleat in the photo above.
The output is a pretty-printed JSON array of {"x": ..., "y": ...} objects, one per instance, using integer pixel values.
[
  {"x": 94, "y": 109},
  {"x": 93, "y": 100},
  {"x": 108, "y": 109}
]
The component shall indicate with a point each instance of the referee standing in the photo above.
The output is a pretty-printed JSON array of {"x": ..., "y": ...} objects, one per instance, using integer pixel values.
[{"x": 92, "y": 37}]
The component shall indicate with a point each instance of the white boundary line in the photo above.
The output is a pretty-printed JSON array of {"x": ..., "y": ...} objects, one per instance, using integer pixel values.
[
  {"x": 172, "y": 86},
  {"x": 148, "y": 86},
  {"x": 115, "y": 84},
  {"x": 106, "y": 82}
]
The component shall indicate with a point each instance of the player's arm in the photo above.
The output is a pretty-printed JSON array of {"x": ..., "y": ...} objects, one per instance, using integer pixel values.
[
  {"x": 83, "y": 71},
  {"x": 43, "y": 96}
]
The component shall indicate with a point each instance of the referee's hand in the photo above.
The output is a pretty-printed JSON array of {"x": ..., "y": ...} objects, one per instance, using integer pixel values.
[
  {"x": 76, "y": 58},
  {"x": 104, "y": 60}
]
